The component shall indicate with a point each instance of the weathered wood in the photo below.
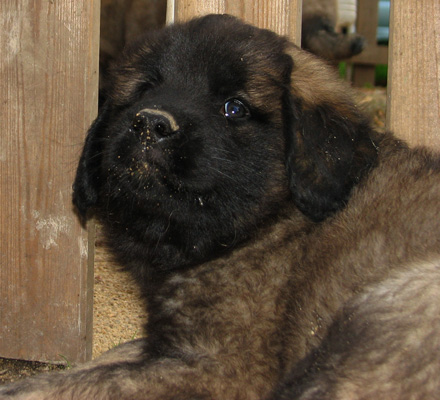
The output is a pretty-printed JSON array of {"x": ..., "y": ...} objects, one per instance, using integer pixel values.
[
  {"x": 281, "y": 16},
  {"x": 414, "y": 71},
  {"x": 364, "y": 63},
  {"x": 372, "y": 55},
  {"x": 367, "y": 20},
  {"x": 48, "y": 94},
  {"x": 363, "y": 75}
]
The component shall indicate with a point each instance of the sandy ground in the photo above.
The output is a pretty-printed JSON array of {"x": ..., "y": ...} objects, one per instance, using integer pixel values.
[{"x": 118, "y": 313}]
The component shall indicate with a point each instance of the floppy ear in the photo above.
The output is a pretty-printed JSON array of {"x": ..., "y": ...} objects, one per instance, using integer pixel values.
[
  {"x": 329, "y": 143},
  {"x": 87, "y": 180}
]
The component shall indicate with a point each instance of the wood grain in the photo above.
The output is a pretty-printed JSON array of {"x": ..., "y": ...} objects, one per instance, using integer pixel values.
[
  {"x": 364, "y": 63},
  {"x": 281, "y": 16},
  {"x": 414, "y": 71},
  {"x": 48, "y": 93}
]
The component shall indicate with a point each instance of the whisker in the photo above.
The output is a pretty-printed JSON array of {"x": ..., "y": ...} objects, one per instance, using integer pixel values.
[
  {"x": 222, "y": 173},
  {"x": 243, "y": 166}
]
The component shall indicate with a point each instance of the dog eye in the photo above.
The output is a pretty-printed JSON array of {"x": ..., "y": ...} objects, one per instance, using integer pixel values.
[{"x": 234, "y": 109}]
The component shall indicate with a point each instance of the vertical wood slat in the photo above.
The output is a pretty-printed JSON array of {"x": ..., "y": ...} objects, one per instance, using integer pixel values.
[
  {"x": 413, "y": 110},
  {"x": 367, "y": 25},
  {"x": 280, "y": 16},
  {"x": 48, "y": 93}
]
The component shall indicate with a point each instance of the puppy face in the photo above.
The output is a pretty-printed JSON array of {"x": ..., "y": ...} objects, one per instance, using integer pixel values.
[
  {"x": 205, "y": 136},
  {"x": 192, "y": 119}
]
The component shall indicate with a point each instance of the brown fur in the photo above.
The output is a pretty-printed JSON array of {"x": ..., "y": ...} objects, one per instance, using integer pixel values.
[
  {"x": 122, "y": 21},
  {"x": 341, "y": 228},
  {"x": 402, "y": 314}
]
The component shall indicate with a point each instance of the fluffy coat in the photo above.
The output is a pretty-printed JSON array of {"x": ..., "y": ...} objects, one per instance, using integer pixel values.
[{"x": 275, "y": 235}]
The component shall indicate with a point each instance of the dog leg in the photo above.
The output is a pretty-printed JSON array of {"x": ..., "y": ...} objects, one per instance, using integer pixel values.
[{"x": 125, "y": 373}]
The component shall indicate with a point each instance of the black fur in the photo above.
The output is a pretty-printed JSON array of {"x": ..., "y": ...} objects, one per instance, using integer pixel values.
[
  {"x": 206, "y": 186},
  {"x": 324, "y": 166}
]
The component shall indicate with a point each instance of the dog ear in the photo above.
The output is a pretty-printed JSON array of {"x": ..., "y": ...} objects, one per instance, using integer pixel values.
[
  {"x": 329, "y": 143},
  {"x": 87, "y": 180}
]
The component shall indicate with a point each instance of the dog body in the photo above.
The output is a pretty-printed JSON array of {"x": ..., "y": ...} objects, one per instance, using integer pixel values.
[
  {"x": 266, "y": 223},
  {"x": 383, "y": 344}
]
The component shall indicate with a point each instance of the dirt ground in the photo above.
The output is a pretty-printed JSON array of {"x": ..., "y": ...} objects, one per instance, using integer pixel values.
[{"x": 118, "y": 313}]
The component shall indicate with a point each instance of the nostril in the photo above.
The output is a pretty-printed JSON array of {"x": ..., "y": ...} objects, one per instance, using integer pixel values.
[
  {"x": 161, "y": 129},
  {"x": 155, "y": 122}
]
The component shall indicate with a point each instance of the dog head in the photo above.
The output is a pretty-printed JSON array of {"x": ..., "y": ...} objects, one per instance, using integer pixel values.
[{"x": 209, "y": 128}]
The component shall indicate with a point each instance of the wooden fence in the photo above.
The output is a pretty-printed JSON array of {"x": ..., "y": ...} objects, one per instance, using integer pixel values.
[
  {"x": 364, "y": 64},
  {"x": 48, "y": 97}
]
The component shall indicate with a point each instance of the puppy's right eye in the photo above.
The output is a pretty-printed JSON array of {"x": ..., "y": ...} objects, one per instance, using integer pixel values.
[{"x": 234, "y": 109}]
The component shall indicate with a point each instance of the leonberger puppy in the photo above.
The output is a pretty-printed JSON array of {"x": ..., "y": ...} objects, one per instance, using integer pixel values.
[
  {"x": 286, "y": 250},
  {"x": 323, "y": 35}
]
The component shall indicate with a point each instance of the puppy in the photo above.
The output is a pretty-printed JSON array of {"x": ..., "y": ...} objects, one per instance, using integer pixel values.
[
  {"x": 321, "y": 34},
  {"x": 285, "y": 248}
]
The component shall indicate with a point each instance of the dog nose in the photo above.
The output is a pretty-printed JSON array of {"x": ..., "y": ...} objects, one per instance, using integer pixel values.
[{"x": 156, "y": 123}]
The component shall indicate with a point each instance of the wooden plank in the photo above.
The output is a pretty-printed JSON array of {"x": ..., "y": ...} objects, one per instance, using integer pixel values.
[
  {"x": 363, "y": 75},
  {"x": 48, "y": 93},
  {"x": 367, "y": 11},
  {"x": 414, "y": 71},
  {"x": 281, "y": 16},
  {"x": 366, "y": 25},
  {"x": 372, "y": 55}
]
